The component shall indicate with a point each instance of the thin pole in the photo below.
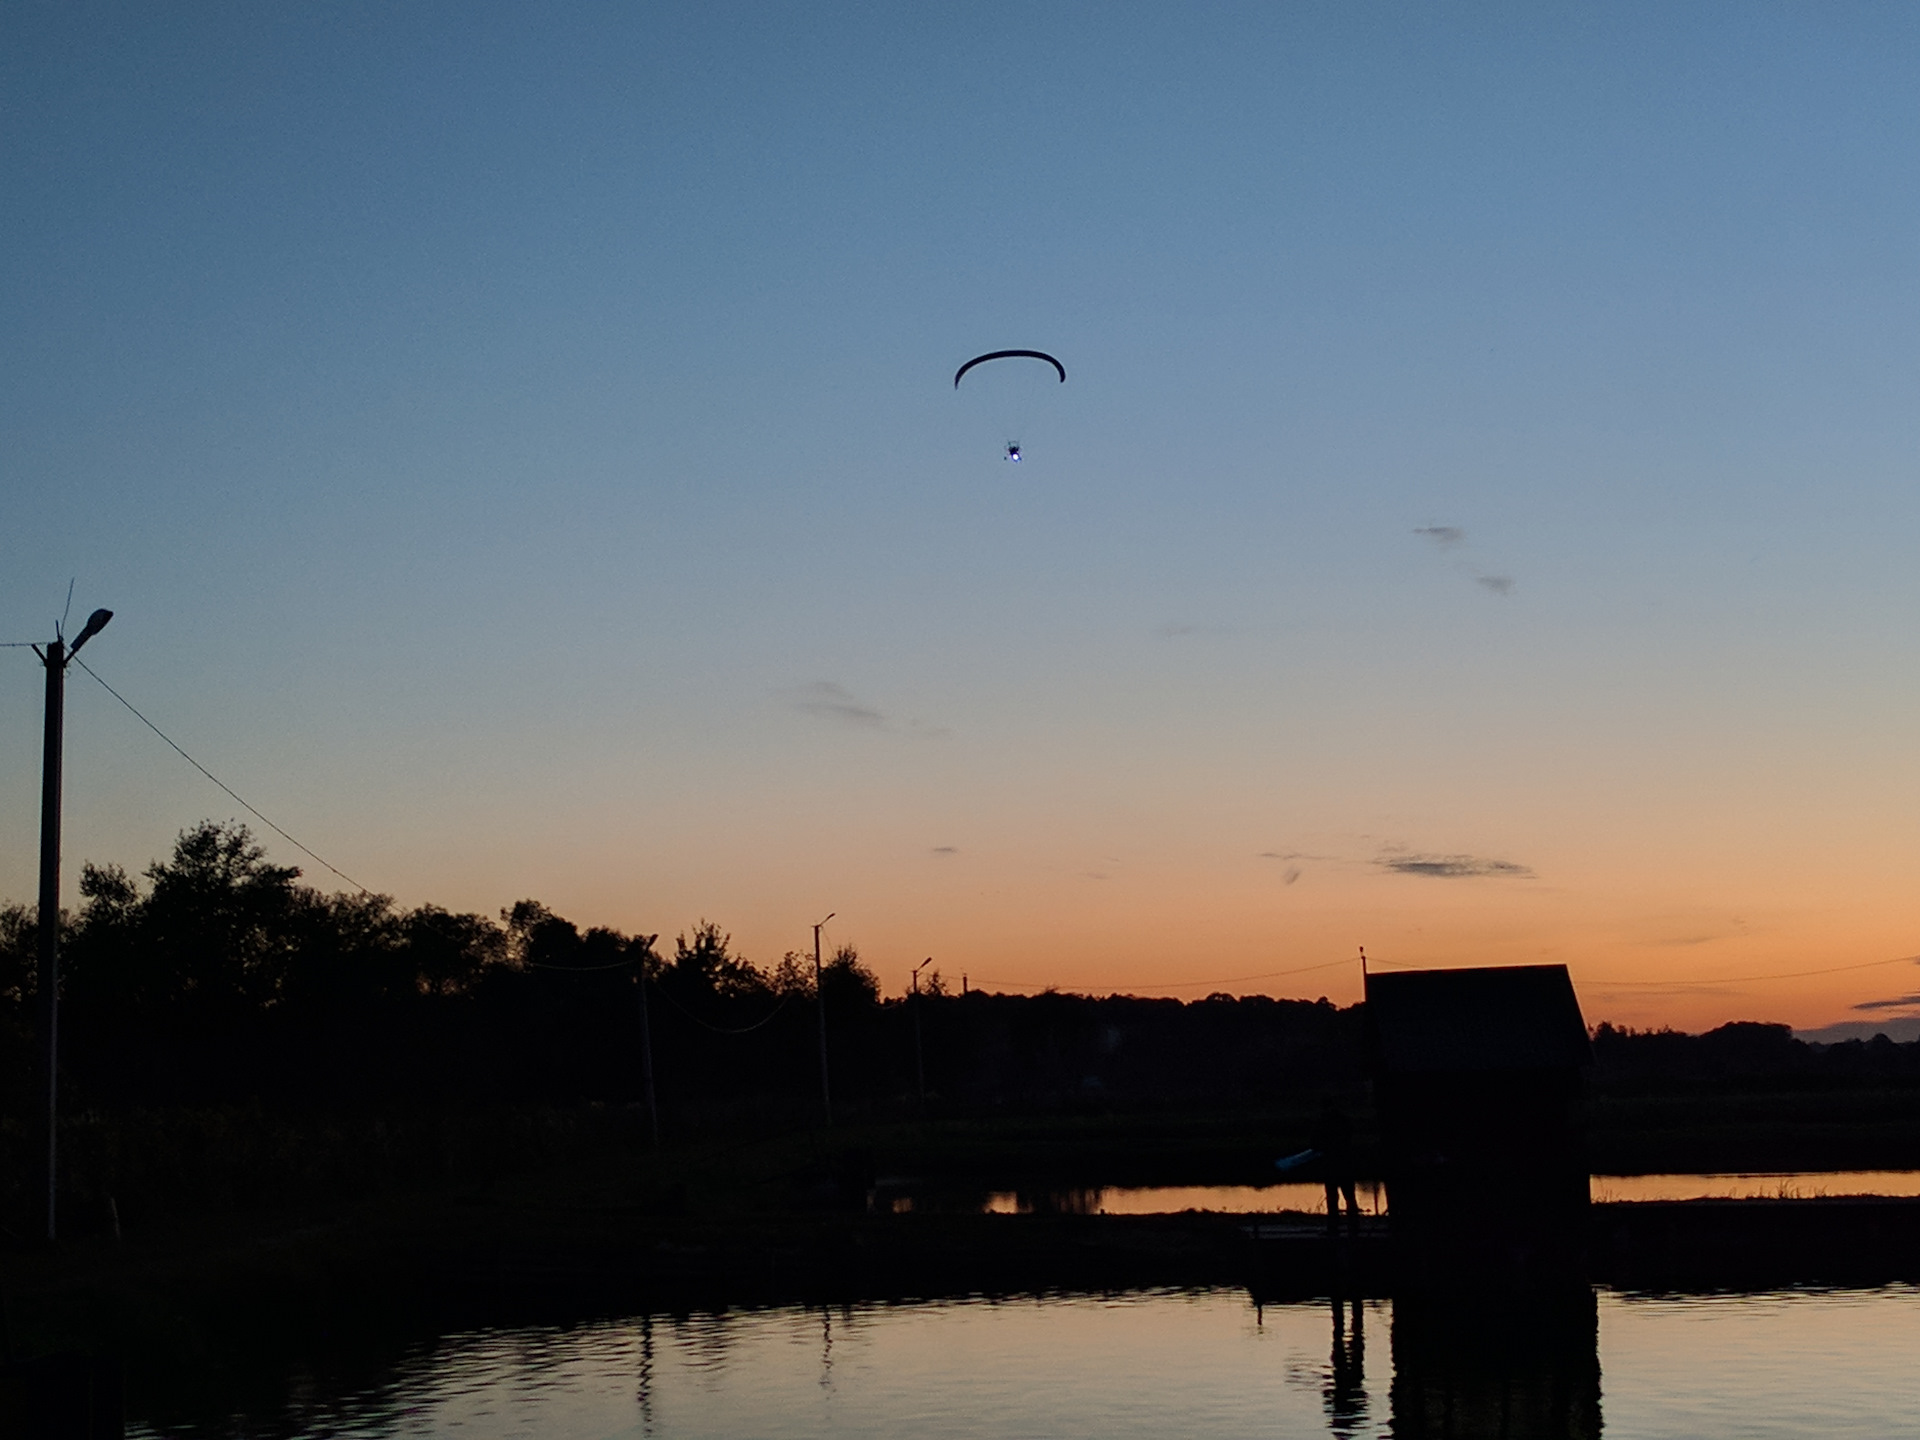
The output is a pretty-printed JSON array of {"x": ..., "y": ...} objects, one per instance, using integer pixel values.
[
  {"x": 919, "y": 1053},
  {"x": 646, "y": 1044},
  {"x": 820, "y": 1004},
  {"x": 49, "y": 916}
]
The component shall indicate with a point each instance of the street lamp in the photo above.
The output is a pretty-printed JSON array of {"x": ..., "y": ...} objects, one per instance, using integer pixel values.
[
  {"x": 820, "y": 1004},
  {"x": 55, "y": 658},
  {"x": 919, "y": 1056}
]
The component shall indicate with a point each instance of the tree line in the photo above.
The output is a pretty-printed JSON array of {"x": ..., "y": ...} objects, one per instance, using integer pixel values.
[{"x": 217, "y": 977}]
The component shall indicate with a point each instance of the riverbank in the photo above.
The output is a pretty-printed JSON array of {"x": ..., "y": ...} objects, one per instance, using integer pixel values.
[
  {"x": 585, "y": 1218},
  {"x": 316, "y": 1280}
]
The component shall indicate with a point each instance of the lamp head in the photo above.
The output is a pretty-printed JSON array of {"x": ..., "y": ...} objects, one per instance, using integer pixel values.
[{"x": 96, "y": 622}]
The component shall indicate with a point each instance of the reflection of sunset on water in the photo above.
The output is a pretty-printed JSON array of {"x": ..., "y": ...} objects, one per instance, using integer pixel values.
[
  {"x": 1299, "y": 1197},
  {"x": 1203, "y": 1364}
]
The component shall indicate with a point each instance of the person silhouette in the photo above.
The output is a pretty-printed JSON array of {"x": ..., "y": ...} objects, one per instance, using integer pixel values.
[{"x": 1333, "y": 1138}]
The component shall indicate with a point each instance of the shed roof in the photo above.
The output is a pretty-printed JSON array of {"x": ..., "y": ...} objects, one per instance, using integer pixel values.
[{"x": 1516, "y": 1017}]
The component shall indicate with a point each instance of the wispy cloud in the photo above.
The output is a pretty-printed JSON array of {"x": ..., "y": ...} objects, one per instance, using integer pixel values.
[
  {"x": 1453, "y": 867},
  {"x": 1452, "y": 537},
  {"x": 1292, "y": 872},
  {"x": 1897, "y": 1002},
  {"x": 828, "y": 701},
  {"x": 1188, "y": 629},
  {"x": 946, "y": 849},
  {"x": 1624, "y": 990}
]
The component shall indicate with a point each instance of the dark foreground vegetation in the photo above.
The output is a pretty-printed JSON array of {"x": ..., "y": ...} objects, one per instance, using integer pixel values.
[
  {"x": 234, "y": 1040},
  {"x": 303, "y": 1119}
]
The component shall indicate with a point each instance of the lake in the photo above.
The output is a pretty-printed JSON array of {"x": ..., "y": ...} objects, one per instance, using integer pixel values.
[
  {"x": 1310, "y": 1196},
  {"x": 1837, "y": 1363}
]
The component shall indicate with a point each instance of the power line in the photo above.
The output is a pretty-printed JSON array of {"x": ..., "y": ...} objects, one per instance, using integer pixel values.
[
  {"x": 1703, "y": 979},
  {"x": 767, "y": 1019},
  {"x": 1189, "y": 984},
  {"x": 218, "y": 781},
  {"x": 1749, "y": 979}
]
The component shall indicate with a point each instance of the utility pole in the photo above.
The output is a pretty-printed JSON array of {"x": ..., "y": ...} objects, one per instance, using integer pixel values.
[
  {"x": 645, "y": 947},
  {"x": 820, "y": 1003},
  {"x": 919, "y": 1054},
  {"x": 55, "y": 658}
]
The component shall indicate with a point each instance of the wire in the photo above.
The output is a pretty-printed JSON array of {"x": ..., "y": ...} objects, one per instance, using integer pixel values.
[
  {"x": 1708, "y": 979},
  {"x": 721, "y": 1029},
  {"x": 577, "y": 969},
  {"x": 218, "y": 781},
  {"x": 1190, "y": 984},
  {"x": 1748, "y": 979},
  {"x": 1405, "y": 965}
]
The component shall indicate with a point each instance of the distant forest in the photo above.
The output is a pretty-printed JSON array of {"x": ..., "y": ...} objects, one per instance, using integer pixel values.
[{"x": 217, "y": 978}]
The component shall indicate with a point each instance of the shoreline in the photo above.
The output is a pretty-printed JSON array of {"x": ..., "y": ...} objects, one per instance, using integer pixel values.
[{"x": 199, "y": 1324}]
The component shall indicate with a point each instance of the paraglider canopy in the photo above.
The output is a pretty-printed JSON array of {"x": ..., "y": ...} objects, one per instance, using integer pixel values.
[{"x": 1010, "y": 355}]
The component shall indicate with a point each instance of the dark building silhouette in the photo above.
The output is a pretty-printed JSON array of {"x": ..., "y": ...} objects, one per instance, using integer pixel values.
[{"x": 1480, "y": 1082}]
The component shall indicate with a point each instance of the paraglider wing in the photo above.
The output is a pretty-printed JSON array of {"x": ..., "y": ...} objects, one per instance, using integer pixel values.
[{"x": 1010, "y": 355}]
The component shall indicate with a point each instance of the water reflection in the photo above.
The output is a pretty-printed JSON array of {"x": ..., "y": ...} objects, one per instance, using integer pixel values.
[
  {"x": 1755, "y": 1185},
  {"x": 1346, "y": 1388},
  {"x": 1196, "y": 1364},
  {"x": 643, "y": 1391},
  {"x": 1157, "y": 1200},
  {"x": 904, "y": 1197},
  {"x": 1522, "y": 1366}
]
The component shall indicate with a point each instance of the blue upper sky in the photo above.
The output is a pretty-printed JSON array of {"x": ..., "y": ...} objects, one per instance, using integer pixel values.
[{"x": 519, "y": 444}]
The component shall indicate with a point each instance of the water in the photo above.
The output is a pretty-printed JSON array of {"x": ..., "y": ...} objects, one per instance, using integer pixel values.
[
  {"x": 1195, "y": 1364},
  {"x": 1784, "y": 1185},
  {"x": 1310, "y": 1196}
]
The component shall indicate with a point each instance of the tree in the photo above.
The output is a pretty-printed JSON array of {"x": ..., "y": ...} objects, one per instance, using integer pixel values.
[
  {"x": 848, "y": 982},
  {"x": 19, "y": 938},
  {"x": 213, "y": 929},
  {"x": 792, "y": 978},
  {"x": 706, "y": 963},
  {"x": 449, "y": 953}
]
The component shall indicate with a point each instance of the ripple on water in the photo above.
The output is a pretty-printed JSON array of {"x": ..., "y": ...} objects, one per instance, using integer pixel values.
[{"x": 1192, "y": 1363}]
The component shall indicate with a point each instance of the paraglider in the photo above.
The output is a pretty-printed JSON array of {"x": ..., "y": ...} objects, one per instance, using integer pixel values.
[
  {"x": 1012, "y": 451},
  {"x": 1010, "y": 355}
]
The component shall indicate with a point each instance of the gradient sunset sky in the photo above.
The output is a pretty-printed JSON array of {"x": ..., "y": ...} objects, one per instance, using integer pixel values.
[{"x": 519, "y": 445}]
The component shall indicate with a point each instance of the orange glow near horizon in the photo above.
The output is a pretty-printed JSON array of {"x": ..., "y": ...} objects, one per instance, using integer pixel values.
[{"x": 1641, "y": 952}]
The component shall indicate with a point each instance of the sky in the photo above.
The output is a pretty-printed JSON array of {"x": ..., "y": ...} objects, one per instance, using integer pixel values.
[{"x": 519, "y": 446}]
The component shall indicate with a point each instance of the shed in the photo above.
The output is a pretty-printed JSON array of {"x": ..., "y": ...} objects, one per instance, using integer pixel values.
[{"x": 1480, "y": 1083}]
